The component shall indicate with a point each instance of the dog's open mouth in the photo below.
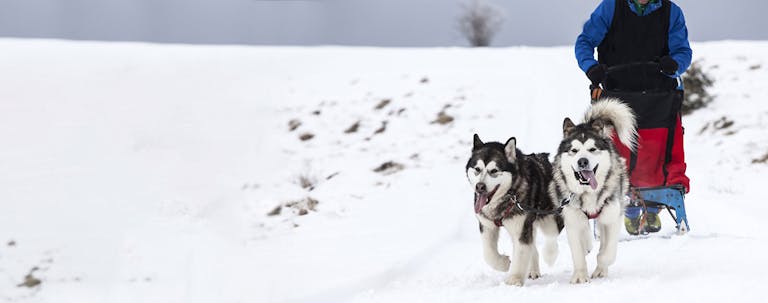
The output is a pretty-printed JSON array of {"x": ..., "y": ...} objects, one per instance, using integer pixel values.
[
  {"x": 481, "y": 199},
  {"x": 587, "y": 177}
]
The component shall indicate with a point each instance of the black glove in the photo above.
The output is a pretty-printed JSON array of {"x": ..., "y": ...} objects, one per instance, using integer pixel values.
[
  {"x": 668, "y": 65},
  {"x": 596, "y": 73}
]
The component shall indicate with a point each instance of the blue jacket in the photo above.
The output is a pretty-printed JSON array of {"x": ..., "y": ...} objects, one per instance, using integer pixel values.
[{"x": 600, "y": 21}]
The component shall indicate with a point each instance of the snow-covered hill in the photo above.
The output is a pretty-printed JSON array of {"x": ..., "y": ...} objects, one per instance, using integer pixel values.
[{"x": 149, "y": 173}]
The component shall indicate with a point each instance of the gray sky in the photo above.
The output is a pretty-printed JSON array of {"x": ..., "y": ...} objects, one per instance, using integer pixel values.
[{"x": 345, "y": 22}]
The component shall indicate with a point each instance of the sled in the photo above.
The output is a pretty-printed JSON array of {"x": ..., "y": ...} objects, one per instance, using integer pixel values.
[
  {"x": 657, "y": 100},
  {"x": 663, "y": 197}
]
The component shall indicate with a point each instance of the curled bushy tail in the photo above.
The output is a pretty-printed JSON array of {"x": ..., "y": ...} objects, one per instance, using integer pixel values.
[{"x": 609, "y": 114}]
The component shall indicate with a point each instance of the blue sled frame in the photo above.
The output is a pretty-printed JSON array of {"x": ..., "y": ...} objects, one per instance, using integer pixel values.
[{"x": 669, "y": 197}]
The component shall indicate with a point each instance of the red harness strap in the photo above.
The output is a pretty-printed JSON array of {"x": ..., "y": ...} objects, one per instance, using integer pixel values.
[
  {"x": 593, "y": 216},
  {"x": 504, "y": 214}
]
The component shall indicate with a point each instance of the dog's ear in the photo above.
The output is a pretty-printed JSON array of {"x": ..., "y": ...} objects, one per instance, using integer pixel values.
[
  {"x": 477, "y": 143},
  {"x": 567, "y": 126},
  {"x": 598, "y": 125},
  {"x": 510, "y": 149}
]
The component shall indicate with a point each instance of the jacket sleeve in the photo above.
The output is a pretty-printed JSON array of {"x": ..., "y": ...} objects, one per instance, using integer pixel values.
[
  {"x": 593, "y": 33},
  {"x": 679, "y": 48}
]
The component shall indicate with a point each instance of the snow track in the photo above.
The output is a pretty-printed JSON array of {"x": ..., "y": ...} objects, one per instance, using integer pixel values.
[{"x": 145, "y": 173}]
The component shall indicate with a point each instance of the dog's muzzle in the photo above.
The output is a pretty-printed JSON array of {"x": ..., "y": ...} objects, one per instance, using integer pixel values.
[
  {"x": 482, "y": 196},
  {"x": 587, "y": 176}
]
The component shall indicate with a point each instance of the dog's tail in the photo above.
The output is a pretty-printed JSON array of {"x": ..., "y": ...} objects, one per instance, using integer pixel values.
[{"x": 610, "y": 114}]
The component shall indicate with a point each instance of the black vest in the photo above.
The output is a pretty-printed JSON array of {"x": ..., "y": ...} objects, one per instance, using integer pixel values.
[{"x": 636, "y": 39}]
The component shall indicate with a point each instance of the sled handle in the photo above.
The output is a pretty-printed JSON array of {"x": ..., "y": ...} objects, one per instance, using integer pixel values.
[
  {"x": 621, "y": 67},
  {"x": 596, "y": 89}
]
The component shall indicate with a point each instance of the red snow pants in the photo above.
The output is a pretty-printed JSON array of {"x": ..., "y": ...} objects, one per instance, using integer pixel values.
[{"x": 660, "y": 157}]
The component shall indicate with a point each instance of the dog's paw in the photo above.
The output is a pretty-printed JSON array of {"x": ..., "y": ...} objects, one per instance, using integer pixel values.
[
  {"x": 579, "y": 277},
  {"x": 600, "y": 272},
  {"x": 514, "y": 280},
  {"x": 533, "y": 275},
  {"x": 500, "y": 263}
]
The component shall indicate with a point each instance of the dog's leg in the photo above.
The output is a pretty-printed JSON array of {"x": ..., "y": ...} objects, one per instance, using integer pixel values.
[
  {"x": 529, "y": 235},
  {"x": 610, "y": 225},
  {"x": 521, "y": 252},
  {"x": 490, "y": 236},
  {"x": 521, "y": 258},
  {"x": 586, "y": 238},
  {"x": 550, "y": 231},
  {"x": 576, "y": 224},
  {"x": 601, "y": 230},
  {"x": 534, "y": 272},
  {"x": 608, "y": 248}
]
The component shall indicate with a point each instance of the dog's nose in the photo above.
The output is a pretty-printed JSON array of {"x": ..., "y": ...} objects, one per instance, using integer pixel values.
[
  {"x": 583, "y": 163},
  {"x": 480, "y": 188}
]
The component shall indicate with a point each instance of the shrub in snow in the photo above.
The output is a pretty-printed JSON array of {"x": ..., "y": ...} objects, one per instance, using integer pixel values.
[
  {"x": 382, "y": 104},
  {"x": 696, "y": 83},
  {"x": 353, "y": 128},
  {"x": 29, "y": 280},
  {"x": 479, "y": 22},
  {"x": 761, "y": 160},
  {"x": 442, "y": 118},
  {"x": 307, "y": 181},
  {"x": 303, "y": 206},
  {"x": 299, "y": 207},
  {"x": 293, "y": 124},
  {"x": 388, "y": 168},
  {"x": 306, "y": 136}
]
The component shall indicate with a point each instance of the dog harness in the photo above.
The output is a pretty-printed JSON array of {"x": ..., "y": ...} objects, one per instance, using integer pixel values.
[
  {"x": 506, "y": 211},
  {"x": 516, "y": 205},
  {"x": 595, "y": 215}
]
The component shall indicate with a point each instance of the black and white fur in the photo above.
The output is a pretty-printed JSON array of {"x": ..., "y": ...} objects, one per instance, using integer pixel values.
[
  {"x": 588, "y": 168},
  {"x": 497, "y": 172}
]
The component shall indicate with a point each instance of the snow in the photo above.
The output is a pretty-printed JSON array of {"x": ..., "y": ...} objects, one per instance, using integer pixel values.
[{"x": 144, "y": 173}]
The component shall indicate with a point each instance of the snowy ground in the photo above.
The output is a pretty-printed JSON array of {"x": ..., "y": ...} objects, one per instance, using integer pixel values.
[{"x": 145, "y": 173}]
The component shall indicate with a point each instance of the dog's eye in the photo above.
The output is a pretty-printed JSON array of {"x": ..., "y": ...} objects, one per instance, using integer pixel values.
[
  {"x": 592, "y": 150},
  {"x": 574, "y": 150},
  {"x": 494, "y": 171},
  {"x": 477, "y": 171}
]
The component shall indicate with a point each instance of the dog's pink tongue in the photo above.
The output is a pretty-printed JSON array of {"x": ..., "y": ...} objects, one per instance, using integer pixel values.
[
  {"x": 480, "y": 201},
  {"x": 590, "y": 175}
]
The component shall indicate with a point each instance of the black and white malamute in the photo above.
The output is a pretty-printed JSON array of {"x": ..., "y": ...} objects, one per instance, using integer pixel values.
[
  {"x": 588, "y": 168},
  {"x": 511, "y": 191}
]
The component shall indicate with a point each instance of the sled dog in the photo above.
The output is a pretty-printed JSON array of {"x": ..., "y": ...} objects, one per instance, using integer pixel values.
[
  {"x": 511, "y": 191},
  {"x": 588, "y": 169}
]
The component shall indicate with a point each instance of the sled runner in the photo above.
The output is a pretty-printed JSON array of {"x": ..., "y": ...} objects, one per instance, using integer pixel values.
[{"x": 655, "y": 179}]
